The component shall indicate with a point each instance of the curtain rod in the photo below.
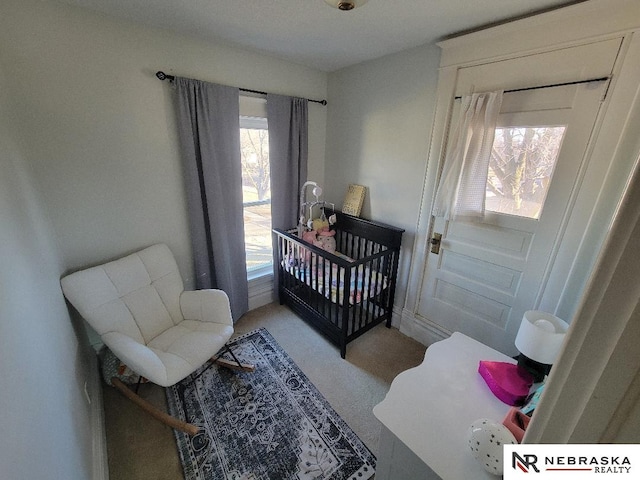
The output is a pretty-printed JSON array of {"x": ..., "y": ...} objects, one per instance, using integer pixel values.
[
  {"x": 163, "y": 76},
  {"x": 577, "y": 82}
]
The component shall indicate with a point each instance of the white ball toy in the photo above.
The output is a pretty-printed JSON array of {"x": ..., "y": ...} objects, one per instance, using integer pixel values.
[{"x": 485, "y": 439}]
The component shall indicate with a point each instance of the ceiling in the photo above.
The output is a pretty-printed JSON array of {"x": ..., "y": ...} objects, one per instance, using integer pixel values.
[{"x": 312, "y": 33}]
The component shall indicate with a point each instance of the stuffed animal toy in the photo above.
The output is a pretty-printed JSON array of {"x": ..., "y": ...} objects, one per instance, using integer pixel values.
[
  {"x": 319, "y": 223},
  {"x": 309, "y": 236},
  {"x": 325, "y": 240}
]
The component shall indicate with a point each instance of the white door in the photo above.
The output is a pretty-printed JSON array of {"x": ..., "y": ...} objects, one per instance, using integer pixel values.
[{"x": 487, "y": 274}]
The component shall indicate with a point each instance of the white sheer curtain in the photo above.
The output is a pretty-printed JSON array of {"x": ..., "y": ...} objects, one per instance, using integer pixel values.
[{"x": 461, "y": 190}]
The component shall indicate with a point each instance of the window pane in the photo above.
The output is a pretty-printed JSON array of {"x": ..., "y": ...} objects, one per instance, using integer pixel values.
[
  {"x": 522, "y": 163},
  {"x": 256, "y": 188}
]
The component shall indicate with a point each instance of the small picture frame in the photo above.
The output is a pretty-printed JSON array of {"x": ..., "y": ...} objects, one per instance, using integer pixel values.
[{"x": 354, "y": 199}]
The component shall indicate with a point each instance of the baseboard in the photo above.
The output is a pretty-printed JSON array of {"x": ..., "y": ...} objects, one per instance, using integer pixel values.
[
  {"x": 100, "y": 470},
  {"x": 261, "y": 291},
  {"x": 421, "y": 329},
  {"x": 396, "y": 317}
]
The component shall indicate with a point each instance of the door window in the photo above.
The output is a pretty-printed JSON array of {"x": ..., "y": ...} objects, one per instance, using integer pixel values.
[{"x": 522, "y": 162}]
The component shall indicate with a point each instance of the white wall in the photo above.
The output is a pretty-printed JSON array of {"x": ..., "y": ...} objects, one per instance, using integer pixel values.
[
  {"x": 101, "y": 131},
  {"x": 89, "y": 170},
  {"x": 378, "y": 128},
  {"x": 45, "y": 424}
]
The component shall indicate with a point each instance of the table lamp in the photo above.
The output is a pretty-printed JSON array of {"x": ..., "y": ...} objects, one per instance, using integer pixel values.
[{"x": 539, "y": 341}]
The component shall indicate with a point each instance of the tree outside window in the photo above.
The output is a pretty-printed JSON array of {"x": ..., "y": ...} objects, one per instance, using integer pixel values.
[
  {"x": 522, "y": 163},
  {"x": 256, "y": 189},
  {"x": 254, "y": 148}
]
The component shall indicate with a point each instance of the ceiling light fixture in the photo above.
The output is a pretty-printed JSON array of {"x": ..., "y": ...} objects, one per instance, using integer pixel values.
[{"x": 346, "y": 5}]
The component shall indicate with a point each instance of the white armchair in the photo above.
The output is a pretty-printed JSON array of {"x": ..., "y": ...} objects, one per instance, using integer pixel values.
[{"x": 138, "y": 306}]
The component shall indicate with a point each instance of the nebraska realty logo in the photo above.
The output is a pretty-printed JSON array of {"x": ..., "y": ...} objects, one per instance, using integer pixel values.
[{"x": 566, "y": 462}]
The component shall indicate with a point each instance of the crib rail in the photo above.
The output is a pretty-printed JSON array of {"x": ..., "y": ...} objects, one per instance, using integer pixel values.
[{"x": 386, "y": 235}]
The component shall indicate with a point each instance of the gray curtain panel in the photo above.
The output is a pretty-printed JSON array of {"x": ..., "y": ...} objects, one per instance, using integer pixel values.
[
  {"x": 288, "y": 153},
  {"x": 209, "y": 132}
]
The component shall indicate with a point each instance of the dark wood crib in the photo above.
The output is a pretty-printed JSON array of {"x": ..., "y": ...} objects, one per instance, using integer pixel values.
[{"x": 347, "y": 293}]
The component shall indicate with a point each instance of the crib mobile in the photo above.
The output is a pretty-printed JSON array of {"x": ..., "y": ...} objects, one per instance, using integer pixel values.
[
  {"x": 308, "y": 223},
  {"x": 315, "y": 229}
]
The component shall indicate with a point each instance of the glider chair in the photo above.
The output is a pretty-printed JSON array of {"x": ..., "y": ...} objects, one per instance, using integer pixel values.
[{"x": 138, "y": 306}]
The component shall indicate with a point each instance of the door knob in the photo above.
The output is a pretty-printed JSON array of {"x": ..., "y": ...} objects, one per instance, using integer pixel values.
[{"x": 435, "y": 243}]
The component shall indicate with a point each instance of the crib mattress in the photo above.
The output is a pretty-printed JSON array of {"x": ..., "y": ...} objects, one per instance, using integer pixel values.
[{"x": 330, "y": 280}]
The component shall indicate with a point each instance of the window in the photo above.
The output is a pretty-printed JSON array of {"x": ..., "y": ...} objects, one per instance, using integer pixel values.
[
  {"x": 522, "y": 163},
  {"x": 256, "y": 189}
]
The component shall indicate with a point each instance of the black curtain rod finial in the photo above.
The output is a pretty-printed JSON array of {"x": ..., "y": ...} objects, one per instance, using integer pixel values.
[{"x": 163, "y": 76}]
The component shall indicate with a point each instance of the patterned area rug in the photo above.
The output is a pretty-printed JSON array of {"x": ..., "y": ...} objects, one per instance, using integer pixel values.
[{"x": 272, "y": 424}]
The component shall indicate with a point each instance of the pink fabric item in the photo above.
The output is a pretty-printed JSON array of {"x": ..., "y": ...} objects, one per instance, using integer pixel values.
[
  {"x": 326, "y": 232},
  {"x": 507, "y": 382}
]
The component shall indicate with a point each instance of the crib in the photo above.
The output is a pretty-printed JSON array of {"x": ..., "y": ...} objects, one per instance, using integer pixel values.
[{"x": 345, "y": 294}]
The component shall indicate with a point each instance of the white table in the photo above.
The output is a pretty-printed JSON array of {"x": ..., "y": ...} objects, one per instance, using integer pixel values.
[{"x": 428, "y": 411}]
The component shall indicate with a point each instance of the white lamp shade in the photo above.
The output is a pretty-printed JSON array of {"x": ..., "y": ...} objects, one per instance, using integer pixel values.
[{"x": 540, "y": 336}]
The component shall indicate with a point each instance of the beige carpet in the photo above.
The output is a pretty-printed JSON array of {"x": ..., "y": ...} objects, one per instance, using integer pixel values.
[{"x": 142, "y": 448}]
